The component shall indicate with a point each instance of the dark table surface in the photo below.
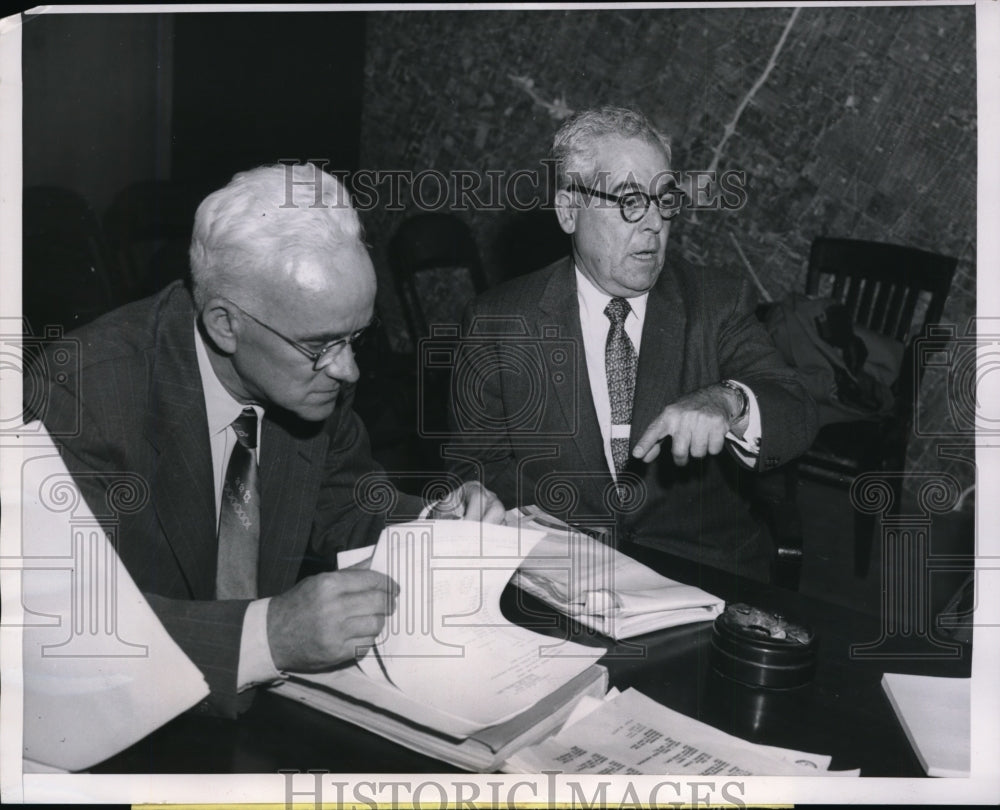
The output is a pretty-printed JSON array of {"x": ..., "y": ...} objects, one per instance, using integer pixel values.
[{"x": 842, "y": 712}]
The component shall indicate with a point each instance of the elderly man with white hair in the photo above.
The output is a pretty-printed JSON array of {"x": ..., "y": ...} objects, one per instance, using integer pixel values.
[{"x": 233, "y": 402}]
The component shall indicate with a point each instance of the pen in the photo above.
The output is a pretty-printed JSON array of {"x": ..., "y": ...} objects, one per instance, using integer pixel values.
[{"x": 381, "y": 664}]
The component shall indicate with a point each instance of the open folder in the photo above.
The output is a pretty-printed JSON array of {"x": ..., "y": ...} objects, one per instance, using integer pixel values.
[
  {"x": 600, "y": 587},
  {"x": 450, "y": 676}
]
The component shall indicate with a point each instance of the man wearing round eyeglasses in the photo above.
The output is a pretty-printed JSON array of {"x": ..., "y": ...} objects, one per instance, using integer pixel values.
[
  {"x": 646, "y": 368},
  {"x": 233, "y": 403}
]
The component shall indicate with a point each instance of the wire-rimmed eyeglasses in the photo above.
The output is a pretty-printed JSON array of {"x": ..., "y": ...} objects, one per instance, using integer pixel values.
[
  {"x": 328, "y": 352},
  {"x": 633, "y": 205}
]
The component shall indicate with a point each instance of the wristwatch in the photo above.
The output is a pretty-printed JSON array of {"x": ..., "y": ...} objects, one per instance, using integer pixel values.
[{"x": 744, "y": 399}]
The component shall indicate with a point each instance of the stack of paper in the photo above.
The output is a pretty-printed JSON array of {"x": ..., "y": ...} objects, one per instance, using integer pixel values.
[
  {"x": 630, "y": 733},
  {"x": 384, "y": 710},
  {"x": 599, "y": 586},
  {"x": 934, "y": 713},
  {"x": 448, "y": 666}
]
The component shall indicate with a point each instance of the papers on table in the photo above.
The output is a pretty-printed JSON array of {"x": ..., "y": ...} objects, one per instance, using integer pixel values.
[
  {"x": 599, "y": 586},
  {"x": 100, "y": 671},
  {"x": 934, "y": 714},
  {"x": 381, "y": 708},
  {"x": 448, "y": 648},
  {"x": 629, "y": 733}
]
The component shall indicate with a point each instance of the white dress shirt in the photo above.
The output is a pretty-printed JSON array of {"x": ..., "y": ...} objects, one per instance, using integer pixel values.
[
  {"x": 256, "y": 665},
  {"x": 595, "y": 325}
]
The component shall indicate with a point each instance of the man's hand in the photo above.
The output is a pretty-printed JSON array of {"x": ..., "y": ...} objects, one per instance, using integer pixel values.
[
  {"x": 697, "y": 424},
  {"x": 327, "y": 619},
  {"x": 471, "y": 501}
]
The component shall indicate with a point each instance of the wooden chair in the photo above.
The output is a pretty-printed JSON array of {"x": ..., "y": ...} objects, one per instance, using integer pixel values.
[{"x": 896, "y": 291}]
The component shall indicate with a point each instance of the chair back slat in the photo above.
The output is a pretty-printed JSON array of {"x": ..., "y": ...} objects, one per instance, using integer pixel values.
[
  {"x": 906, "y": 313},
  {"x": 881, "y": 307},
  {"x": 894, "y": 312},
  {"x": 864, "y": 314},
  {"x": 855, "y": 283}
]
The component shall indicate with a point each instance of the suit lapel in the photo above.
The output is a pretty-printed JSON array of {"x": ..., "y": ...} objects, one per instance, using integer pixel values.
[
  {"x": 183, "y": 490},
  {"x": 176, "y": 426},
  {"x": 663, "y": 343},
  {"x": 561, "y": 308}
]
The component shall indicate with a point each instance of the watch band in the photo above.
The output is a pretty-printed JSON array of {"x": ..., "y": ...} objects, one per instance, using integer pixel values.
[{"x": 744, "y": 399}]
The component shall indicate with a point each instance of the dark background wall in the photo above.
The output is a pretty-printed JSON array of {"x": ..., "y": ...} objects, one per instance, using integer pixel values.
[
  {"x": 97, "y": 101},
  {"x": 865, "y": 126},
  {"x": 113, "y": 99}
]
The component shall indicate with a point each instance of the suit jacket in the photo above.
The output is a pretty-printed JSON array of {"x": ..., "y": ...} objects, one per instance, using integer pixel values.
[
  {"x": 523, "y": 408},
  {"x": 135, "y": 403}
]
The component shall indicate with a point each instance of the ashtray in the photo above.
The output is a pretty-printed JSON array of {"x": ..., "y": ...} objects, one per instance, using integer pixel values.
[{"x": 762, "y": 648}]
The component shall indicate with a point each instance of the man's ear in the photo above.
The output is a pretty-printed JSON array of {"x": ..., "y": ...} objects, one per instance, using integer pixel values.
[
  {"x": 566, "y": 210},
  {"x": 219, "y": 318}
]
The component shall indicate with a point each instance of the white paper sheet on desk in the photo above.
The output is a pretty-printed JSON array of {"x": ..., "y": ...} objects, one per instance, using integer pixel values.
[
  {"x": 633, "y": 734},
  {"x": 99, "y": 670},
  {"x": 447, "y": 644},
  {"x": 601, "y": 587}
]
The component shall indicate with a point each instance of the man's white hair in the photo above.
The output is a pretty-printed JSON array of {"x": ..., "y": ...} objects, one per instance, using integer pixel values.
[
  {"x": 575, "y": 142},
  {"x": 259, "y": 225}
]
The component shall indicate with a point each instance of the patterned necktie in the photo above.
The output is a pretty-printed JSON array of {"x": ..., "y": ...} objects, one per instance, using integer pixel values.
[
  {"x": 620, "y": 365},
  {"x": 239, "y": 518}
]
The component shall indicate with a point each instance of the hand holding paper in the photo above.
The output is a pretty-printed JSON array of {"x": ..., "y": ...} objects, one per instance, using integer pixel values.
[
  {"x": 447, "y": 645},
  {"x": 328, "y": 619},
  {"x": 470, "y": 501}
]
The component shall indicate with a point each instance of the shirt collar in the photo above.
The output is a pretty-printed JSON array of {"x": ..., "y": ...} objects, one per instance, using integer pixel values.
[
  {"x": 594, "y": 301},
  {"x": 221, "y": 408}
]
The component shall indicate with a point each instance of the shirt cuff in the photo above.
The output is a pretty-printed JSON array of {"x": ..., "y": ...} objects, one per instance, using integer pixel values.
[
  {"x": 256, "y": 665},
  {"x": 747, "y": 446}
]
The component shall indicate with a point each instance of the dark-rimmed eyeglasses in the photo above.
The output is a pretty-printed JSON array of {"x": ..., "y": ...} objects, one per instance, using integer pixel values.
[
  {"x": 327, "y": 353},
  {"x": 633, "y": 205}
]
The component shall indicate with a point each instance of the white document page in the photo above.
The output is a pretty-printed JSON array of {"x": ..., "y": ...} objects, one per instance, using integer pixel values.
[
  {"x": 447, "y": 644},
  {"x": 633, "y": 734},
  {"x": 935, "y": 714},
  {"x": 100, "y": 671},
  {"x": 601, "y": 587}
]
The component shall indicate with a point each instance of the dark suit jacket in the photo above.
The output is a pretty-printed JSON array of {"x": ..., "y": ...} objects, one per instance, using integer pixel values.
[
  {"x": 523, "y": 407},
  {"x": 136, "y": 404}
]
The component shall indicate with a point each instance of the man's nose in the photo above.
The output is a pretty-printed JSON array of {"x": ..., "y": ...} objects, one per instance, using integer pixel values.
[
  {"x": 651, "y": 220},
  {"x": 343, "y": 367}
]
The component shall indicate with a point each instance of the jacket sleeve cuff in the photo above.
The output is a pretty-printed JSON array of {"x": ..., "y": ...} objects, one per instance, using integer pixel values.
[
  {"x": 747, "y": 446},
  {"x": 256, "y": 665}
]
